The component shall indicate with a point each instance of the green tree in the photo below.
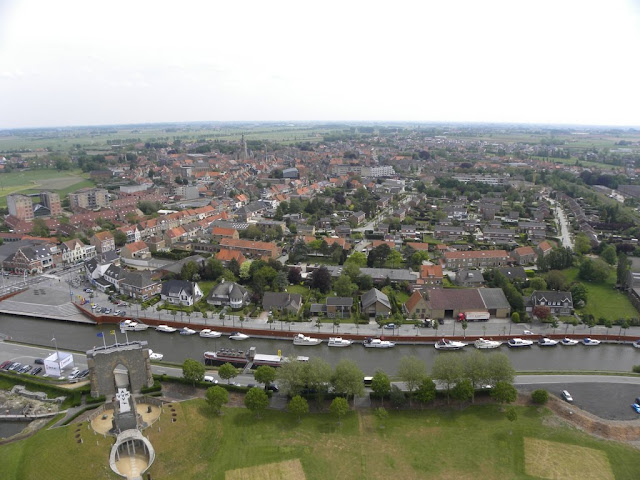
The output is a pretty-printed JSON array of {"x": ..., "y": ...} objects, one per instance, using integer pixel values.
[
  {"x": 578, "y": 293},
  {"x": 499, "y": 369},
  {"x": 291, "y": 377},
  {"x": 321, "y": 280},
  {"x": 476, "y": 370},
  {"x": 515, "y": 317},
  {"x": 192, "y": 370},
  {"x": 357, "y": 258},
  {"x": 538, "y": 283},
  {"x": 394, "y": 259},
  {"x": 227, "y": 372},
  {"x": 381, "y": 385},
  {"x": 316, "y": 375},
  {"x": 512, "y": 415},
  {"x": 347, "y": 379},
  {"x": 412, "y": 371},
  {"x": 381, "y": 414},
  {"x": 609, "y": 255},
  {"x": 298, "y": 406},
  {"x": 339, "y": 407},
  {"x": 120, "y": 238},
  {"x": 256, "y": 400},
  {"x": 594, "y": 270},
  {"x": 397, "y": 397},
  {"x": 344, "y": 287},
  {"x": 426, "y": 392},
  {"x": 540, "y": 396},
  {"x": 582, "y": 244},
  {"x": 265, "y": 374},
  {"x": 622, "y": 271},
  {"x": 217, "y": 397},
  {"x": 448, "y": 370},
  {"x": 188, "y": 271},
  {"x": 556, "y": 280},
  {"x": 40, "y": 228},
  {"x": 463, "y": 390},
  {"x": 504, "y": 392}
]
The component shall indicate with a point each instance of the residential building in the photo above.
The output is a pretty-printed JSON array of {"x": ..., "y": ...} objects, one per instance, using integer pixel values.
[
  {"x": 469, "y": 278},
  {"x": 132, "y": 232},
  {"x": 140, "y": 285},
  {"x": 113, "y": 275},
  {"x": 89, "y": 199},
  {"x": 375, "y": 304},
  {"x": 524, "y": 255},
  {"x": 51, "y": 200},
  {"x": 282, "y": 302},
  {"x": 544, "y": 248},
  {"x": 136, "y": 251},
  {"x": 180, "y": 292},
  {"x": 228, "y": 294},
  {"x": 218, "y": 233},
  {"x": 476, "y": 258},
  {"x": 30, "y": 259},
  {"x": 339, "y": 307},
  {"x": 416, "y": 305},
  {"x": 225, "y": 256},
  {"x": 559, "y": 303},
  {"x": 513, "y": 273},
  {"x": 74, "y": 251},
  {"x": 21, "y": 207},
  {"x": 103, "y": 241},
  {"x": 377, "y": 171},
  {"x": 379, "y": 275},
  {"x": 430, "y": 275}
]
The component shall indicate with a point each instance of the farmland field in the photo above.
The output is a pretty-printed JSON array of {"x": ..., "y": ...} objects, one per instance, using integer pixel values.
[{"x": 35, "y": 181}]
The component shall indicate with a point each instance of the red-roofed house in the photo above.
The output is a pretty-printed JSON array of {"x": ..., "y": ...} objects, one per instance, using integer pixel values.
[
  {"x": 219, "y": 233},
  {"x": 430, "y": 275},
  {"x": 225, "y": 256},
  {"x": 524, "y": 255},
  {"x": 103, "y": 241},
  {"x": 136, "y": 250},
  {"x": 476, "y": 258},
  {"x": 544, "y": 248},
  {"x": 416, "y": 305}
]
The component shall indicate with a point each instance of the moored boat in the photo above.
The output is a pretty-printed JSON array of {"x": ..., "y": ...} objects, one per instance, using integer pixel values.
[
  {"x": 519, "y": 342},
  {"x": 207, "y": 333},
  {"x": 636, "y": 344},
  {"x": 166, "y": 329},
  {"x": 155, "y": 355},
  {"x": 238, "y": 336},
  {"x": 187, "y": 331},
  {"x": 590, "y": 341},
  {"x": 444, "y": 344},
  {"x": 483, "y": 343},
  {"x": 378, "y": 343},
  {"x": 547, "y": 342},
  {"x": 227, "y": 355},
  {"x": 339, "y": 342},
  {"x": 569, "y": 342},
  {"x": 132, "y": 326},
  {"x": 301, "y": 339}
]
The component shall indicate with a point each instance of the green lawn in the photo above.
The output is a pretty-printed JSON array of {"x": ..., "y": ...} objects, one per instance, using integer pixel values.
[
  {"x": 603, "y": 299},
  {"x": 477, "y": 442},
  {"x": 301, "y": 289},
  {"x": 35, "y": 181}
]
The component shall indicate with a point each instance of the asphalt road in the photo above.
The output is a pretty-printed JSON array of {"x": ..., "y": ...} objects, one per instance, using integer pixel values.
[{"x": 608, "y": 397}]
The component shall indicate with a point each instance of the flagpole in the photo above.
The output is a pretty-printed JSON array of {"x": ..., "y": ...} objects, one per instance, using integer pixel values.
[
  {"x": 104, "y": 342},
  {"x": 116, "y": 337},
  {"x": 126, "y": 336}
]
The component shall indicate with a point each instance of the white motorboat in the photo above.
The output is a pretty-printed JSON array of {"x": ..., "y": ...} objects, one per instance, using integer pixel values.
[
  {"x": 238, "y": 336},
  {"x": 444, "y": 344},
  {"x": 547, "y": 342},
  {"x": 636, "y": 344},
  {"x": 569, "y": 342},
  {"x": 590, "y": 341},
  {"x": 207, "y": 333},
  {"x": 378, "y": 343},
  {"x": 155, "y": 355},
  {"x": 166, "y": 329},
  {"x": 483, "y": 343},
  {"x": 187, "y": 331},
  {"x": 301, "y": 339},
  {"x": 339, "y": 342},
  {"x": 518, "y": 342},
  {"x": 132, "y": 326}
]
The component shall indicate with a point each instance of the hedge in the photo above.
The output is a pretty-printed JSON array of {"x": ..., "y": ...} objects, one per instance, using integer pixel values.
[{"x": 100, "y": 399}]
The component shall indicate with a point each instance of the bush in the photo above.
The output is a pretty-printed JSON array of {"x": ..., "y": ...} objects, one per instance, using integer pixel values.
[
  {"x": 636, "y": 369},
  {"x": 540, "y": 396},
  {"x": 156, "y": 387},
  {"x": 99, "y": 399}
]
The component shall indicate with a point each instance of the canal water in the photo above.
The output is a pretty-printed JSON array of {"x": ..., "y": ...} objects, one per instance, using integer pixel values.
[
  {"x": 8, "y": 429},
  {"x": 176, "y": 348}
]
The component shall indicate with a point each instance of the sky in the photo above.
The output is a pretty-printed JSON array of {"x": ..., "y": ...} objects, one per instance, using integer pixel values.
[{"x": 72, "y": 63}]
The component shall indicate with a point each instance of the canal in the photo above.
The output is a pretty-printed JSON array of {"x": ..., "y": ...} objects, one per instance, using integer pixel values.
[{"x": 176, "y": 348}]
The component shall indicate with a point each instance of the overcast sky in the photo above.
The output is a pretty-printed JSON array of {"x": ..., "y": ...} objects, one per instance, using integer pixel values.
[{"x": 111, "y": 62}]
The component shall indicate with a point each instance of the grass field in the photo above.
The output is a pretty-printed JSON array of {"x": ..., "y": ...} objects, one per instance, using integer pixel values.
[
  {"x": 477, "y": 442},
  {"x": 602, "y": 299},
  {"x": 35, "y": 181}
]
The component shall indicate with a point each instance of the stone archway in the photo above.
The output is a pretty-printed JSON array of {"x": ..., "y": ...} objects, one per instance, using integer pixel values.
[{"x": 104, "y": 362}]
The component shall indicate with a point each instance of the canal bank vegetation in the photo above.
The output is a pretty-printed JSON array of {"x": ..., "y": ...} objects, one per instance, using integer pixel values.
[{"x": 73, "y": 396}]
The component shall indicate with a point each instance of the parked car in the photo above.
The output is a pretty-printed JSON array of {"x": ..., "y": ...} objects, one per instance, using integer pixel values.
[
  {"x": 39, "y": 361},
  {"x": 636, "y": 407},
  {"x": 36, "y": 371},
  {"x": 15, "y": 366},
  {"x": 567, "y": 396},
  {"x": 25, "y": 369},
  {"x": 122, "y": 313},
  {"x": 272, "y": 387},
  {"x": 83, "y": 373},
  {"x": 210, "y": 379},
  {"x": 390, "y": 326},
  {"x": 5, "y": 364}
]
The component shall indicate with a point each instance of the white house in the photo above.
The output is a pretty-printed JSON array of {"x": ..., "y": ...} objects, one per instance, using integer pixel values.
[
  {"x": 74, "y": 251},
  {"x": 180, "y": 292}
]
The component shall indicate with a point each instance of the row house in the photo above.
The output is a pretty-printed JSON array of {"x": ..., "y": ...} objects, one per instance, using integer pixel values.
[
  {"x": 430, "y": 275},
  {"x": 524, "y": 255},
  {"x": 448, "y": 232},
  {"x": 175, "y": 235},
  {"x": 75, "y": 251},
  {"x": 132, "y": 232},
  {"x": 113, "y": 275},
  {"x": 137, "y": 250},
  {"x": 534, "y": 230},
  {"x": 499, "y": 235},
  {"x": 476, "y": 258},
  {"x": 251, "y": 248},
  {"x": 140, "y": 285}
]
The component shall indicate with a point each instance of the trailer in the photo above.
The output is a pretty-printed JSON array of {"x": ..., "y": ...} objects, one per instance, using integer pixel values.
[{"x": 482, "y": 316}]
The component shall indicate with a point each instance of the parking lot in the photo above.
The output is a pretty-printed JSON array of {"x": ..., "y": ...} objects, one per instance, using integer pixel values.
[{"x": 611, "y": 401}]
